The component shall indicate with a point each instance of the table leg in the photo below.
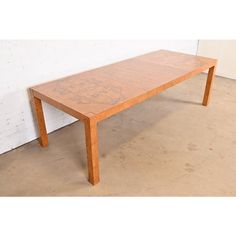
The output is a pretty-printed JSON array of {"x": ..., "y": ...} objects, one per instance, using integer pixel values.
[
  {"x": 208, "y": 88},
  {"x": 92, "y": 150},
  {"x": 43, "y": 137}
]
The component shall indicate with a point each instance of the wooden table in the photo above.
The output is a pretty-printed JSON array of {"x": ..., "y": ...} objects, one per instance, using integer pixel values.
[{"x": 97, "y": 94}]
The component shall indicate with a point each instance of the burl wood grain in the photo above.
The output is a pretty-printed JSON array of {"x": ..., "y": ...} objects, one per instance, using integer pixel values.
[
  {"x": 97, "y": 94},
  {"x": 92, "y": 150},
  {"x": 37, "y": 104}
]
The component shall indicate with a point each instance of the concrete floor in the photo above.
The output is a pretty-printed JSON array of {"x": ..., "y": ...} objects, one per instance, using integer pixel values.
[{"x": 169, "y": 145}]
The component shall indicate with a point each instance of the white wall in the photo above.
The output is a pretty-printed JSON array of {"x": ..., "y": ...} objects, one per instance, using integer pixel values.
[
  {"x": 26, "y": 63},
  {"x": 224, "y": 51}
]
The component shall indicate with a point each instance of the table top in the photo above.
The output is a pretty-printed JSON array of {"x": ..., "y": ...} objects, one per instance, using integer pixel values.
[{"x": 119, "y": 85}]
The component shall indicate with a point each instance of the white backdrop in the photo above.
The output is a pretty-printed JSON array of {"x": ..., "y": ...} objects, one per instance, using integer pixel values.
[
  {"x": 25, "y": 63},
  {"x": 224, "y": 51}
]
